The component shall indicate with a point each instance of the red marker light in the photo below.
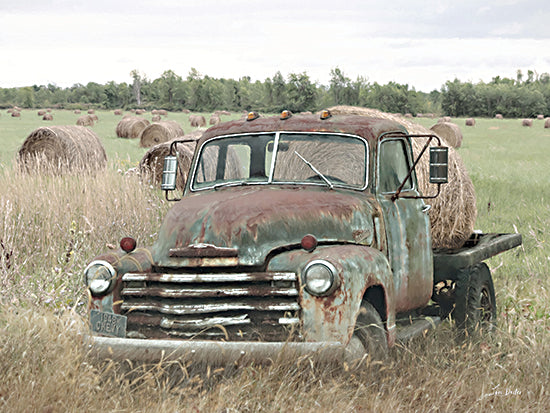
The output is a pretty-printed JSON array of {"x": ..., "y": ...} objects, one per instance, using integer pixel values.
[
  {"x": 309, "y": 243},
  {"x": 128, "y": 244}
]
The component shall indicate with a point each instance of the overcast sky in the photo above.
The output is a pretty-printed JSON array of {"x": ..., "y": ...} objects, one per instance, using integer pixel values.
[{"x": 419, "y": 43}]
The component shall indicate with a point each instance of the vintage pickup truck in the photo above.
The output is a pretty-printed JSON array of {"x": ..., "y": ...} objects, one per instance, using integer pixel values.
[{"x": 301, "y": 233}]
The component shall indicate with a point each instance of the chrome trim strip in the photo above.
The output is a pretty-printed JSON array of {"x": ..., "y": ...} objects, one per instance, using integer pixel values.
[
  {"x": 251, "y": 291},
  {"x": 183, "y": 309},
  {"x": 197, "y": 278}
]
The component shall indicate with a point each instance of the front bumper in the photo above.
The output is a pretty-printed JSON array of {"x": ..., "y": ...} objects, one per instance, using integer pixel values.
[{"x": 212, "y": 352}]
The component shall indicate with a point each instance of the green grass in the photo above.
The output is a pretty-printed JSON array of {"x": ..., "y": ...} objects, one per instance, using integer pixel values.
[{"x": 52, "y": 226}]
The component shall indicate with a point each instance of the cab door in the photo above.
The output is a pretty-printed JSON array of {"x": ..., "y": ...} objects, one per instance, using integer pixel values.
[{"x": 407, "y": 224}]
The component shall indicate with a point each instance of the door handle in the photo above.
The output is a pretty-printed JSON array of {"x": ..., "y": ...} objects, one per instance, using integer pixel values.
[{"x": 426, "y": 208}]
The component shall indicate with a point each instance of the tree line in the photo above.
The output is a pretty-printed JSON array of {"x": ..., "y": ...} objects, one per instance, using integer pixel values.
[{"x": 524, "y": 96}]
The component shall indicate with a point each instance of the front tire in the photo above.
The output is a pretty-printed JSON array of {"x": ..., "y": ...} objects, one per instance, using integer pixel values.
[
  {"x": 475, "y": 309},
  {"x": 369, "y": 336}
]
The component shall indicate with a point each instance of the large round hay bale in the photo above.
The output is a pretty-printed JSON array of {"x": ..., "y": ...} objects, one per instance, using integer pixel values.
[
  {"x": 540, "y": 116},
  {"x": 499, "y": 116},
  {"x": 118, "y": 112},
  {"x": 450, "y": 132},
  {"x": 527, "y": 122},
  {"x": 85, "y": 120},
  {"x": 159, "y": 132},
  {"x": 214, "y": 119},
  {"x": 61, "y": 149},
  {"x": 454, "y": 212},
  {"x": 444, "y": 119},
  {"x": 152, "y": 163},
  {"x": 15, "y": 114},
  {"x": 41, "y": 112},
  {"x": 131, "y": 127},
  {"x": 547, "y": 123},
  {"x": 47, "y": 116},
  {"x": 470, "y": 122},
  {"x": 197, "y": 121}
]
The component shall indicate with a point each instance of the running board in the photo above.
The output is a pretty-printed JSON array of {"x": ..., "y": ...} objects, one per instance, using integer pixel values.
[{"x": 414, "y": 328}]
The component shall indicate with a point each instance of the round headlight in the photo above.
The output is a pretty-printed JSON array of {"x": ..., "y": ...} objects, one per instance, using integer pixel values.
[
  {"x": 319, "y": 277},
  {"x": 99, "y": 276}
]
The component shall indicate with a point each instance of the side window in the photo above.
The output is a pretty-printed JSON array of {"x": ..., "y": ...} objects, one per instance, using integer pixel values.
[{"x": 393, "y": 166}]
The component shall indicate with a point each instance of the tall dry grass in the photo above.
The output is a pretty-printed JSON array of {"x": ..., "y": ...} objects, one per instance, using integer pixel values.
[{"x": 52, "y": 226}]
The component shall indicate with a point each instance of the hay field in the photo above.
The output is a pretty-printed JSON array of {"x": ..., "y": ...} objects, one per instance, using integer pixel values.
[{"x": 51, "y": 227}]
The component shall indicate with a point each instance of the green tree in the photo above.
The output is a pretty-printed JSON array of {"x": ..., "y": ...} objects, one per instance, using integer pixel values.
[{"x": 301, "y": 93}]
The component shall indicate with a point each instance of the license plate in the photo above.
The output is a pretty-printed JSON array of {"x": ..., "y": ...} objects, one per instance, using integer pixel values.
[{"x": 108, "y": 324}]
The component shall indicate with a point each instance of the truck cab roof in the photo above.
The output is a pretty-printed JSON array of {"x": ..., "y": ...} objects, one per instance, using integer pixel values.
[{"x": 368, "y": 128}]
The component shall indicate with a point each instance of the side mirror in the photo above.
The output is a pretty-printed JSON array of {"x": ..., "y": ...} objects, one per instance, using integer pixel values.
[
  {"x": 439, "y": 164},
  {"x": 169, "y": 172}
]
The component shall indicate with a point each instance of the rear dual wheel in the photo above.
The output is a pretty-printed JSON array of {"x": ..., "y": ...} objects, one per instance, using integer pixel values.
[{"x": 475, "y": 309}]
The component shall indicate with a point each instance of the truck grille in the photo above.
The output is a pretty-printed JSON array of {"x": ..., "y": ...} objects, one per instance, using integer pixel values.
[{"x": 232, "y": 307}]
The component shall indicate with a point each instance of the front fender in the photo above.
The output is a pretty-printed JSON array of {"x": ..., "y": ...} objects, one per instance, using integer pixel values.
[
  {"x": 139, "y": 260},
  {"x": 332, "y": 317}
]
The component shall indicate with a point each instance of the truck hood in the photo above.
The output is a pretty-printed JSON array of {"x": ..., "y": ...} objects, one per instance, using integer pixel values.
[{"x": 243, "y": 225}]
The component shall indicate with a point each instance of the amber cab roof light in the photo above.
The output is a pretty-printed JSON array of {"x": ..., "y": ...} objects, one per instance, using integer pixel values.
[
  {"x": 252, "y": 116},
  {"x": 285, "y": 114},
  {"x": 325, "y": 114}
]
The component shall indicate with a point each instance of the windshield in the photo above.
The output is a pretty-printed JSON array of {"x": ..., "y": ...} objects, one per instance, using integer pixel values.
[{"x": 301, "y": 158}]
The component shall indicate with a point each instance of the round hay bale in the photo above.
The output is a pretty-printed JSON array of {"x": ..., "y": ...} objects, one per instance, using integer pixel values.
[
  {"x": 118, "y": 112},
  {"x": 547, "y": 123},
  {"x": 61, "y": 149},
  {"x": 47, "y": 116},
  {"x": 131, "y": 127},
  {"x": 94, "y": 117},
  {"x": 450, "y": 132},
  {"x": 77, "y": 112},
  {"x": 140, "y": 111},
  {"x": 16, "y": 114},
  {"x": 41, "y": 112},
  {"x": 444, "y": 119},
  {"x": 163, "y": 112},
  {"x": 152, "y": 163},
  {"x": 540, "y": 117},
  {"x": 186, "y": 111},
  {"x": 91, "y": 111},
  {"x": 156, "y": 118},
  {"x": 527, "y": 122},
  {"x": 470, "y": 122},
  {"x": 214, "y": 119},
  {"x": 454, "y": 212},
  {"x": 85, "y": 120},
  {"x": 159, "y": 132},
  {"x": 499, "y": 116},
  {"x": 408, "y": 115},
  {"x": 197, "y": 121}
]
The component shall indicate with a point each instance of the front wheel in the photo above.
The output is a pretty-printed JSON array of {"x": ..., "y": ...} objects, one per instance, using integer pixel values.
[
  {"x": 475, "y": 309},
  {"x": 369, "y": 336}
]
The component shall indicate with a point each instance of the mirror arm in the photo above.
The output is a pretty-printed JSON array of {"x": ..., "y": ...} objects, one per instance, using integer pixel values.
[{"x": 409, "y": 174}]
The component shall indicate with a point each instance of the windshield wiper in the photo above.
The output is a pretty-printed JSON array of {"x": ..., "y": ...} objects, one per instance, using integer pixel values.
[{"x": 314, "y": 169}]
